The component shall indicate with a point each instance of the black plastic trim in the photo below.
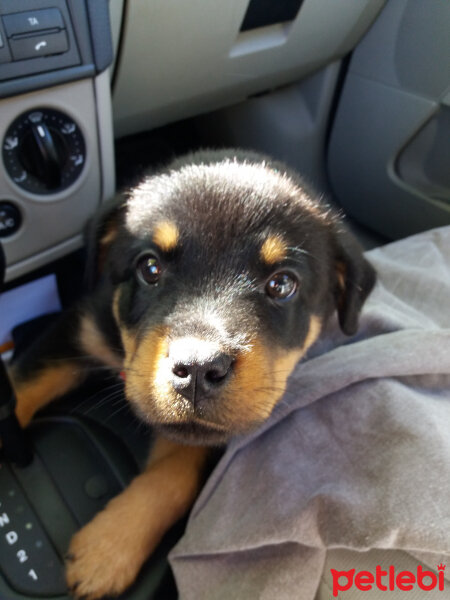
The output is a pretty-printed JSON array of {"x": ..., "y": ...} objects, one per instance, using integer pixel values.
[
  {"x": 261, "y": 13},
  {"x": 100, "y": 27}
]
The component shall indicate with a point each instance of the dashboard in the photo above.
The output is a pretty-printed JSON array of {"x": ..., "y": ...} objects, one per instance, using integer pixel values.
[{"x": 75, "y": 75}]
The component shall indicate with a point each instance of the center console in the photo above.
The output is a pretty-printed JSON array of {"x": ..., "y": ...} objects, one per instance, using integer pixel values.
[{"x": 57, "y": 162}]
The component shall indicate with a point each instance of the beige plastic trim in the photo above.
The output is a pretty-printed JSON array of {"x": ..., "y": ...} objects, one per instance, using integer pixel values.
[
  {"x": 105, "y": 134},
  {"x": 116, "y": 13},
  {"x": 180, "y": 59},
  {"x": 42, "y": 258}
]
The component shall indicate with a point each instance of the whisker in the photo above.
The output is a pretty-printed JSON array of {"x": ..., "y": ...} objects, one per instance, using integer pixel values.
[
  {"x": 118, "y": 394},
  {"x": 116, "y": 412},
  {"x": 92, "y": 397}
]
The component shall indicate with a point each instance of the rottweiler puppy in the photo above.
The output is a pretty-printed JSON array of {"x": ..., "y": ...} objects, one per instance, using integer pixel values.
[{"x": 214, "y": 277}]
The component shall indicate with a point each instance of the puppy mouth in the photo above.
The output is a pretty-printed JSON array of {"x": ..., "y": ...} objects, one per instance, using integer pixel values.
[
  {"x": 190, "y": 428},
  {"x": 197, "y": 432}
]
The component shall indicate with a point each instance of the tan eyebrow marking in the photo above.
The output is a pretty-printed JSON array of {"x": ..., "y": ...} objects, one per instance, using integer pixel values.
[
  {"x": 273, "y": 250},
  {"x": 166, "y": 235}
]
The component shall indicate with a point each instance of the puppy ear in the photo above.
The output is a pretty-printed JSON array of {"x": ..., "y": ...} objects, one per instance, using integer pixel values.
[
  {"x": 100, "y": 233},
  {"x": 355, "y": 280}
]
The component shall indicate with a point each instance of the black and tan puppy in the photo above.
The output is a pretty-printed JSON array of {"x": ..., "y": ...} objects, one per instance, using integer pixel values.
[{"x": 216, "y": 276}]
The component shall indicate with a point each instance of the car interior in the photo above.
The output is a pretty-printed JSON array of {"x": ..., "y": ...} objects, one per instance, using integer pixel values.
[{"x": 354, "y": 95}]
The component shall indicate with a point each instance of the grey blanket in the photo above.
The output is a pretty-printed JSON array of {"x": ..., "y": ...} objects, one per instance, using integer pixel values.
[{"x": 356, "y": 455}]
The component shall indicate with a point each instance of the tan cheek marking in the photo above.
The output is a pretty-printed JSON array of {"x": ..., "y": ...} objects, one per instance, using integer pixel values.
[
  {"x": 166, "y": 236},
  {"x": 146, "y": 379},
  {"x": 104, "y": 243},
  {"x": 273, "y": 250},
  {"x": 152, "y": 350},
  {"x": 93, "y": 342},
  {"x": 109, "y": 236},
  {"x": 42, "y": 388},
  {"x": 128, "y": 338},
  {"x": 282, "y": 368},
  {"x": 260, "y": 378},
  {"x": 315, "y": 327},
  {"x": 247, "y": 397},
  {"x": 285, "y": 364},
  {"x": 260, "y": 381},
  {"x": 341, "y": 270},
  {"x": 115, "y": 305}
]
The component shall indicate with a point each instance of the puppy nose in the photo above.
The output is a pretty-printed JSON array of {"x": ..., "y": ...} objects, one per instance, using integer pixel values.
[{"x": 199, "y": 369}]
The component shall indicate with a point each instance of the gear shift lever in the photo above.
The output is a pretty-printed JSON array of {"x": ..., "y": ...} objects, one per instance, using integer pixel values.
[{"x": 14, "y": 443}]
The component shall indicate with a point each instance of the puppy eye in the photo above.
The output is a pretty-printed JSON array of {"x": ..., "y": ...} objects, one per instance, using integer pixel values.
[
  {"x": 282, "y": 286},
  {"x": 149, "y": 269}
]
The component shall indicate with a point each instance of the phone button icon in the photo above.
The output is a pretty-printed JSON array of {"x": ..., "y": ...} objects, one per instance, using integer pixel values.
[{"x": 40, "y": 45}]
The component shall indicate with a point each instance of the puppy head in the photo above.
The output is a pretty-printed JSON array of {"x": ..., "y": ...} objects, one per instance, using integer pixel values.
[{"x": 223, "y": 275}]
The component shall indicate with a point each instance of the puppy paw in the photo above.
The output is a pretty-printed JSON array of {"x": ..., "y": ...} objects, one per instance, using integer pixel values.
[{"x": 103, "y": 560}]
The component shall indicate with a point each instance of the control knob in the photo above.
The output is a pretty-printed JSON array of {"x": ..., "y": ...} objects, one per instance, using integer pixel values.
[{"x": 44, "y": 151}]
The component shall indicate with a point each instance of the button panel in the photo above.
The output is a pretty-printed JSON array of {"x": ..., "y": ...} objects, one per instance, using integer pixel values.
[
  {"x": 33, "y": 21},
  {"x": 39, "y": 45},
  {"x": 27, "y": 558},
  {"x": 35, "y": 33},
  {"x": 40, "y": 37}
]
